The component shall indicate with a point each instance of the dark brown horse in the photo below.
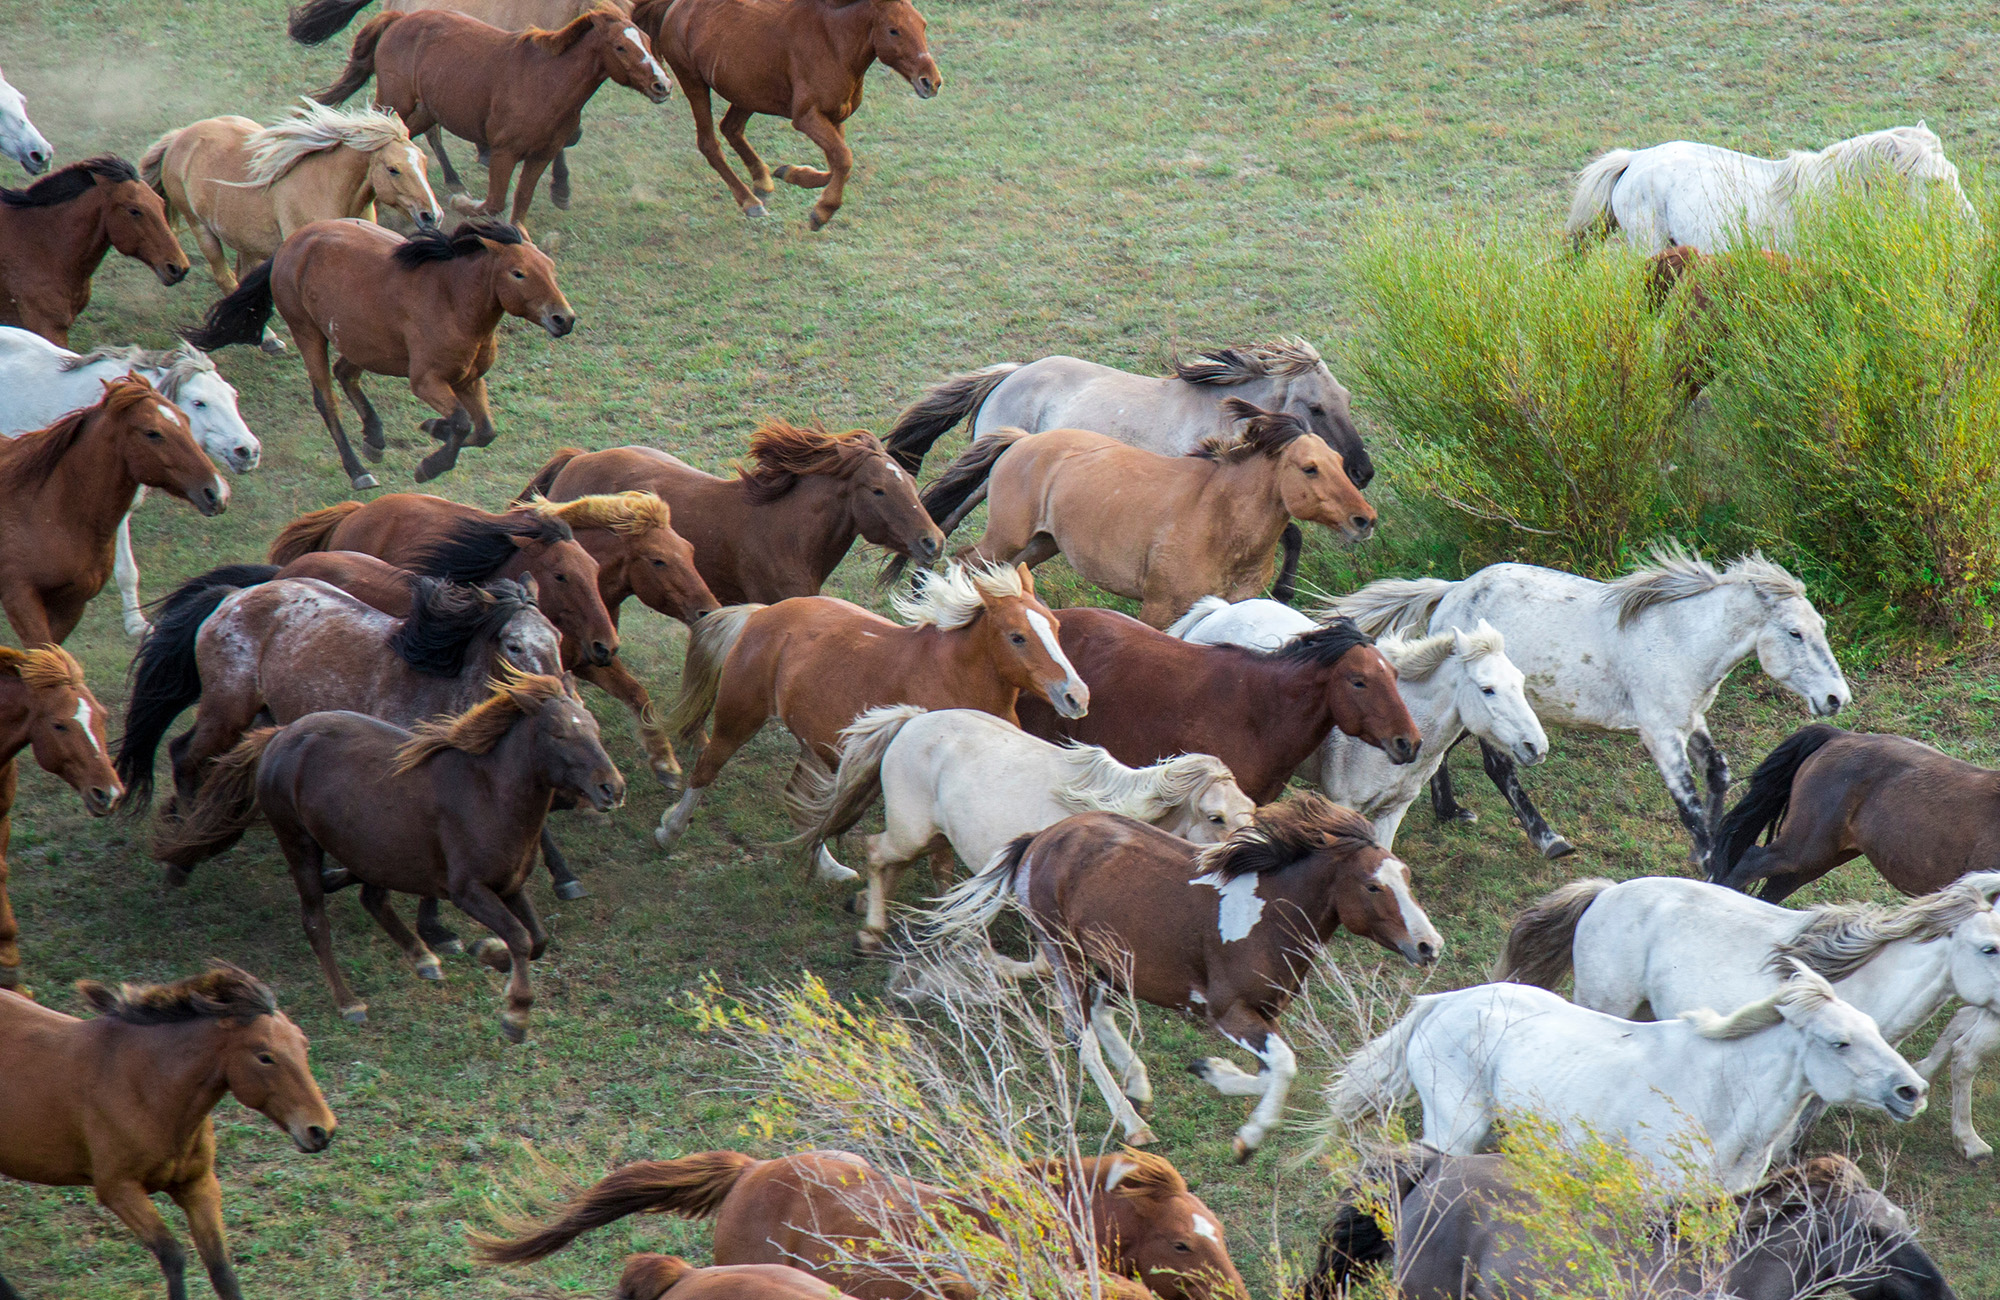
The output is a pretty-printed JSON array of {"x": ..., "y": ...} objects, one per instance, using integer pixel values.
[
  {"x": 54, "y": 234},
  {"x": 1153, "y": 696},
  {"x": 450, "y": 809},
  {"x": 121, "y": 1104},
  {"x": 802, "y": 60},
  {"x": 788, "y": 518},
  {"x": 426, "y": 308}
]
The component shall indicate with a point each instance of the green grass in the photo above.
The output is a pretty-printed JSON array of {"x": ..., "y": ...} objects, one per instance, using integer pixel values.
[{"x": 1109, "y": 179}]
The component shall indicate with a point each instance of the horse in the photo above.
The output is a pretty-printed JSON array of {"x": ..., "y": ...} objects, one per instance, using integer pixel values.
[
  {"x": 46, "y": 708},
  {"x": 975, "y": 638},
  {"x": 1163, "y": 530},
  {"x": 19, "y": 139},
  {"x": 1263, "y": 714},
  {"x": 40, "y": 383},
  {"x": 1146, "y": 1223},
  {"x": 121, "y": 1103},
  {"x": 1668, "y": 944},
  {"x": 426, "y": 308},
  {"x": 784, "y": 523},
  {"x": 1172, "y": 414},
  {"x": 1226, "y": 932},
  {"x": 1710, "y": 198},
  {"x": 805, "y": 60},
  {"x": 1721, "y": 1089},
  {"x": 517, "y": 95},
  {"x": 654, "y": 1277},
  {"x": 958, "y": 781},
  {"x": 65, "y": 490},
  {"x": 451, "y": 808},
  {"x": 1644, "y": 653},
  {"x": 54, "y": 234}
]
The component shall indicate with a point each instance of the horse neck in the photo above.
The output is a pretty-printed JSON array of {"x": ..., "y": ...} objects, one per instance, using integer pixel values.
[
  {"x": 1433, "y": 703},
  {"x": 519, "y": 800},
  {"x": 969, "y": 655},
  {"x": 93, "y": 484},
  {"x": 815, "y": 518},
  {"x": 1246, "y": 502},
  {"x": 1902, "y": 985},
  {"x": 1713, "y": 632},
  {"x": 1286, "y": 706},
  {"x": 850, "y": 33},
  {"x": 468, "y": 285},
  {"x": 341, "y": 172},
  {"x": 183, "y": 1071},
  {"x": 17, "y": 714},
  {"x": 76, "y": 239},
  {"x": 581, "y": 69},
  {"x": 1755, "y": 1084}
]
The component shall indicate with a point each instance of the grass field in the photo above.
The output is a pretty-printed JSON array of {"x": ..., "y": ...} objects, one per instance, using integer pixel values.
[{"x": 1112, "y": 179}]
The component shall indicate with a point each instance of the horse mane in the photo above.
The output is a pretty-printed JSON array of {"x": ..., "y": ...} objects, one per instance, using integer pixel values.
[
  {"x": 1902, "y": 148},
  {"x": 515, "y": 695},
  {"x": 1265, "y": 433},
  {"x": 781, "y": 453},
  {"x": 181, "y": 363},
  {"x": 1843, "y": 937},
  {"x": 49, "y": 666},
  {"x": 1094, "y": 781},
  {"x": 564, "y": 38},
  {"x": 1418, "y": 660},
  {"x": 1805, "y": 991},
  {"x": 446, "y": 618},
  {"x": 466, "y": 241},
  {"x": 1322, "y": 647},
  {"x": 316, "y": 128},
  {"x": 1800, "y": 1187},
  {"x": 1284, "y": 833},
  {"x": 473, "y": 549},
  {"x": 629, "y": 513},
  {"x": 70, "y": 182},
  {"x": 222, "y": 992},
  {"x": 1675, "y": 573},
  {"x": 1141, "y": 1175},
  {"x": 1224, "y": 367},
  {"x": 955, "y": 597},
  {"x": 31, "y": 458}
]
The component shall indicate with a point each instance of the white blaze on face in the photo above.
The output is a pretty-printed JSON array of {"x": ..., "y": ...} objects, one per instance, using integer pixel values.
[
  {"x": 1047, "y": 632},
  {"x": 1204, "y": 1226},
  {"x": 1394, "y": 876},
  {"x": 83, "y": 720},
  {"x": 652, "y": 65},
  {"x": 1238, "y": 909},
  {"x": 167, "y": 413},
  {"x": 897, "y": 470}
]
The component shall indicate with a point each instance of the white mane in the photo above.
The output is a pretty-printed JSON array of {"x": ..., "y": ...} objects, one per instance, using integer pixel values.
[
  {"x": 314, "y": 128},
  {"x": 1097, "y": 782},
  {"x": 955, "y": 597},
  {"x": 1843, "y": 937},
  {"x": 1675, "y": 574},
  {"x": 1806, "y": 991},
  {"x": 180, "y": 364},
  {"x": 1903, "y": 149},
  {"x": 1417, "y": 660}
]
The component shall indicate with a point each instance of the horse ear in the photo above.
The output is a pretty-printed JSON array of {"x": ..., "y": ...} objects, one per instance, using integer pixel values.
[
  {"x": 1027, "y": 578},
  {"x": 1459, "y": 643},
  {"x": 534, "y": 588},
  {"x": 102, "y": 1000},
  {"x": 1119, "y": 1170}
]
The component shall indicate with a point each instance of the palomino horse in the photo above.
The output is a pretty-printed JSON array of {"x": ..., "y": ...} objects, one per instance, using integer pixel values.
[
  {"x": 1162, "y": 530},
  {"x": 1670, "y": 944},
  {"x": 655, "y": 1277},
  {"x": 1643, "y": 653},
  {"x": 46, "y": 708},
  {"x": 54, "y": 234},
  {"x": 65, "y": 490},
  {"x": 1227, "y": 933},
  {"x": 121, "y": 1103},
  {"x": 1172, "y": 415},
  {"x": 784, "y": 523},
  {"x": 1146, "y": 1223},
  {"x": 518, "y": 96},
  {"x": 971, "y": 638},
  {"x": 19, "y": 139},
  {"x": 805, "y": 61},
  {"x": 40, "y": 383},
  {"x": 965, "y": 782},
  {"x": 1154, "y": 696},
  {"x": 452, "y": 808}
]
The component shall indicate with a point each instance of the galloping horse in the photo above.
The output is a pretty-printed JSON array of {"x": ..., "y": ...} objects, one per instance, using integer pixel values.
[
  {"x": 803, "y": 60},
  {"x": 54, "y": 234},
  {"x": 784, "y": 523},
  {"x": 65, "y": 490},
  {"x": 656, "y": 1277},
  {"x": 19, "y": 139},
  {"x": 121, "y": 1104},
  {"x": 426, "y": 308}
]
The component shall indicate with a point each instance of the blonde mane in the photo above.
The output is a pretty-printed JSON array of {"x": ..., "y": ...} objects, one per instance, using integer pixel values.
[
  {"x": 1097, "y": 782},
  {"x": 1674, "y": 573},
  {"x": 50, "y": 666},
  {"x": 1843, "y": 937},
  {"x": 630, "y": 513},
  {"x": 1903, "y": 149},
  {"x": 314, "y": 128},
  {"x": 1417, "y": 660},
  {"x": 955, "y": 597},
  {"x": 1806, "y": 991},
  {"x": 1284, "y": 355},
  {"x": 515, "y": 695}
]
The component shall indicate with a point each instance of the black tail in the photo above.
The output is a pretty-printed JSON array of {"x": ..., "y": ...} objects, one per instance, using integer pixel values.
[
  {"x": 941, "y": 407},
  {"x": 318, "y": 20},
  {"x": 360, "y": 61},
  {"x": 963, "y": 484},
  {"x": 1763, "y": 808},
  {"x": 239, "y": 318},
  {"x": 1355, "y": 1244},
  {"x": 165, "y": 680}
]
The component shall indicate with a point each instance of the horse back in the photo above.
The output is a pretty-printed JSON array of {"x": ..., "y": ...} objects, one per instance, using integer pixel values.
[
  {"x": 50, "y": 1066},
  {"x": 785, "y": 1211},
  {"x": 1165, "y": 416}
]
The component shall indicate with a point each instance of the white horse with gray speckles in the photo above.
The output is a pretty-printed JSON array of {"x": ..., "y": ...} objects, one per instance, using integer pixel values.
[{"x": 19, "y": 139}]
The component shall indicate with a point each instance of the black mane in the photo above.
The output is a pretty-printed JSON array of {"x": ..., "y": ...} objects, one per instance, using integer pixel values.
[
  {"x": 437, "y": 246},
  {"x": 70, "y": 182},
  {"x": 448, "y": 618},
  {"x": 1322, "y": 647},
  {"x": 475, "y": 549},
  {"x": 1301, "y": 825}
]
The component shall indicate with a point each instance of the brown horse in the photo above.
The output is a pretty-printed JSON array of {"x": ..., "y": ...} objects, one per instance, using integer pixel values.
[
  {"x": 654, "y": 1277},
  {"x": 788, "y": 518},
  {"x": 450, "y": 809},
  {"x": 1146, "y": 1223},
  {"x": 1227, "y": 932},
  {"x": 121, "y": 1103},
  {"x": 1262, "y": 713},
  {"x": 64, "y": 490},
  {"x": 802, "y": 60},
  {"x": 54, "y": 234},
  {"x": 1163, "y": 530},
  {"x": 517, "y": 95},
  {"x": 971, "y": 639},
  {"x": 1701, "y": 278},
  {"x": 45, "y": 706},
  {"x": 426, "y": 308}
]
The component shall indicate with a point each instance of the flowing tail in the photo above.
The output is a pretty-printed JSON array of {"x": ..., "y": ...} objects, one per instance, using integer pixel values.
[
  {"x": 692, "y": 1187},
  {"x": 225, "y": 807},
  {"x": 239, "y": 318},
  {"x": 1354, "y": 1246},
  {"x": 970, "y": 907},
  {"x": 152, "y": 169},
  {"x": 360, "y": 61},
  {"x": 1185, "y": 625},
  {"x": 320, "y": 20},
  {"x": 309, "y": 533},
  {"x": 942, "y": 406},
  {"x": 832, "y": 802},
  {"x": 701, "y": 676},
  {"x": 1392, "y": 605},
  {"x": 539, "y": 485},
  {"x": 1541, "y": 946},
  {"x": 1764, "y": 806},
  {"x": 1377, "y": 1078},
  {"x": 1594, "y": 183},
  {"x": 963, "y": 484},
  {"x": 646, "y": 1277}
]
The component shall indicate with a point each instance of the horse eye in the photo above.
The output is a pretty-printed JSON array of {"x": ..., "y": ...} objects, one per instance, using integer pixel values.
[
  {"x": 520, "y": 275},
  {"x": 1842, "y": 1046},
  {"x": 895, "y": 31},
  {"x": 1183, "y": 1248},
  {"x": 201, "y": 406},
  {"x": 1317, "y": 410},
  {"x": 1360, "y": 683},
  {"x": 1798, "y": 635},
  {"x": 1990, "y": 950},
  {"x": 1487, "y": 690},
  {"x": 395, "y": 171},
  {"x": 880, "y": 493},
  {"x": 1312, "y": 471},
  {"x": 1216, "y": 818},
  {"x": 1017, "y": 638},
  {"x": 1374, "y": 889},
  {"x": 153, "y": 435},
  {"x": 265, "y": 1058},
  {"x": 64, "y": 726},
  {"x": 562, "y": 577},
  {"x": 659, "y": 564}
]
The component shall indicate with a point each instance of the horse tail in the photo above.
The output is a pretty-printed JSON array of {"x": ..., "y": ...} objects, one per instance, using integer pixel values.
[
  {"x": 647, "y": 1276},
  {"x": 963, "y": 484},
  {"x": 545, "y": 477},
  {"x": 1592, "y": 204},
  {"x": 1393, "y": 604},
  {"x": 701, "y": 676},
  {"x": 310, "y": 532},
  {"x": 942, "y": 406},
  {"x": 153, "y": 169},
  {"x": 320, "y": 20},
  {"x": 1354, "y": 1245},
  {"x": 692, "y": 1187},
  {"x": 832, "y": 802},
  {"x": 224, "y": 807},
  {"x": 360, "y": 61},
  {"x": 1763, "y": 806},
  {"x": 969, "y": 908},
  {"x": 1184, "y": 626},
  {"x": 1377, "y": 1078},
  {"x": 1541, "y": 946},
  {"x": 239, "y": 318}
]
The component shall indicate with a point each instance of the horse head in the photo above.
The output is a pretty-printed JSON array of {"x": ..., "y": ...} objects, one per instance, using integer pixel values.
[
  {"x": 157, "y": 444},
  {"x": 898, "y": 35},
  {"x": 1208, "y": 805},
  {"x": 191, "y": 381},
  {"x": 1160, "y": 1232},
  {"x": 1841, "y": 1051},
  {"x": 1491, "y": 696},
  {"x": 1975, "y": 945},
  {"x": 1791, "y": 637},
  {"x": 658, "y": 562},
  {"x": 1372, "y": 898},
  {"x": 1820, "y": 1224},
  {"x": 568, "y": 747},
  {"x": 65, "y": 724},
  {"x": 1321, "y": 402},
  {"x": 1023, "y": 635},
  {"x": 1312, "y": 477},
  {"x": 398, "y": 174},
  {"x": 1361, "y": 691},
  {"x": 19, "y": 139},
  {"x": 524, "y": 279},
  {"x": 566, "y": 584},
  {"x": 883, "y": 504},
  {"x": 627, "y": 54},
  {"x": 135, "y": 220}
]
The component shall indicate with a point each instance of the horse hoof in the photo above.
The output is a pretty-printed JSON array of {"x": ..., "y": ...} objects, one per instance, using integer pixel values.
[
  {"x": 428, "y": 470},
  {"x": 1142, "y": 1138},
  {"x": 356, "y": 1014},
  {"x": 515, "y": 1033},
  {"x": 1464, "y": 816},
  {"x": 814, "y": 221},
  {"x": 449, "y": 945},
  {"x": 868, "y": 943},
  {"x": 372, "y": 452},
  {"x": 781, "y": 171},
  {"x": 1979, "y": 1155},
  {"x": 571, "y": 890},
  {"x": 430, "y": 969},
  {"x": 139, "y": 629},
  {"x": 10, "y": 977},
  {"x": 559, "y": 197},
  {"x": 1241, "y": 1150},
  {"x": 364, "y": 482},
  {"x": 272, "y": 347},
  {"x": 1558, "y": 848},
  {"x": 492, "y": 952},
  {"x": 756, "y": 210}
]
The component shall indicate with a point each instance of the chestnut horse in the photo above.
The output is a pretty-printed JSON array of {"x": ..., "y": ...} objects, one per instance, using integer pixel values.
[
  {"x": 452, "y": 808},
  {"x": 121, "y": 1104},
  {"x": 1228, "y": 932},
  {"x": 426, "y": 308},
  {"x": 45, "y": 707},
  {"x": 65, "y": 489},
  {"x": 802, "y": 60},
  {"x": 784, "y": 523},
  {"x": 519, "y": 96},
  {"x": 54, "y": 234},
  {"x": 1146, "y": 1223},
  {"x": 1262, "y": 713}
]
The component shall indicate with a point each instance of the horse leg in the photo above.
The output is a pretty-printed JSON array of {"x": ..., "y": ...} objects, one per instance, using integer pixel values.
[
  {"x": 523, "y": 909},
  {"x": 438, "y": 394},
  {"x": 29, "y": 614},
  {"x": 1444, "y": 801},
  {"x": 884, "y": 874},
  {"x": 479, "y": 902},
  {"x": 617, "y": 681},
  {"x": 499, "y": 179},
  {"x": 10, "y": 933},
  {"x": 435, "y": 136},
  {"x": 806, "y": 773},
  {"x": 561, "y": 878},
  {"x": 559, "y": 180},
  {"x": 1714, "y": 768},
  {"x": 433, "y": 931},
  {"x": 1973, "y": 1032},
  {"x": 524, "y": 193},
  {"x": 1132, "y": 1078},
  {"x": 307, "y": 859},
  {"x": 135, "y": 1209},
  {"x": 711, "y": 149},
  {"x": 1669, "y": 749},
  {"x": 201, "y": 1202},
  {"x": 1138, "y": 1133},
  {"x": 826, "y": 133},
  {"x": 313, "y": 350},
  {"x": 125, "y": 568},
  {"x": 733, "y": 123},
  {"x": 375, "y": 900},
  {"x": 1506, "y": 778},
  {"x": 1290, "y": 543},
  {"x": 1273, "y": 1085},
  {"x": 349, "y": 376},
  {"x": 732, "y": 732}
]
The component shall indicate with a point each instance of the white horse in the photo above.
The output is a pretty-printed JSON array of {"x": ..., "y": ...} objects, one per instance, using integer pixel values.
[
  {"x": 1670, "y": 944},
  {"x": 1453, "y": 683},
  {"x": 1645, "y": 653},
  {"x": 19, "y": 139},
  {"x": 40, "y": 383},
  {"x": 1706, "y": 197},
  {"x": 1705, "y": 1086}
]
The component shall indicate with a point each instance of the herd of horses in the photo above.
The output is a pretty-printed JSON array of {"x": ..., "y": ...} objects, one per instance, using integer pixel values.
[{"x": 394, "y": 689}]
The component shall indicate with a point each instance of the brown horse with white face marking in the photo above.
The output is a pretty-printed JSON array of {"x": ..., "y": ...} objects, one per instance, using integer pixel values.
[
  {"x": 54, "y": 234},
  {"x": 1228, "y": 933}
]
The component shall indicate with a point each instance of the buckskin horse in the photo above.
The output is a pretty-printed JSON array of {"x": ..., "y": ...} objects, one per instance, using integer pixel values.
[{"x": 54, "y": 234}]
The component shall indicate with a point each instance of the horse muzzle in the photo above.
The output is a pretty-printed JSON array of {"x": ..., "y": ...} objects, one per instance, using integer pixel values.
[
  {"x": 310, "y": 1138},
  {"x": 1528, "y": 754},
  {"x": 1907, "y": 1102},
  {"x": 99, "y": 800},
  {"x": 211, "y": 498},
  {"x": 1418, "y": 952},
  {"x": 1071, "y": 701},
  {"x": 1825, "y": 706},
  {"x": 659, "y": 92},
  {"x": 36, "y": 161},
  {"x": 243, "y": 460},
  {"x": 171, "y": 275},
  {"x": 607, "y": 795},
  {"x": 1401, "y": 749},
  {"x": 558, "y": 323},
  {"x": 927, "y": 84}
]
